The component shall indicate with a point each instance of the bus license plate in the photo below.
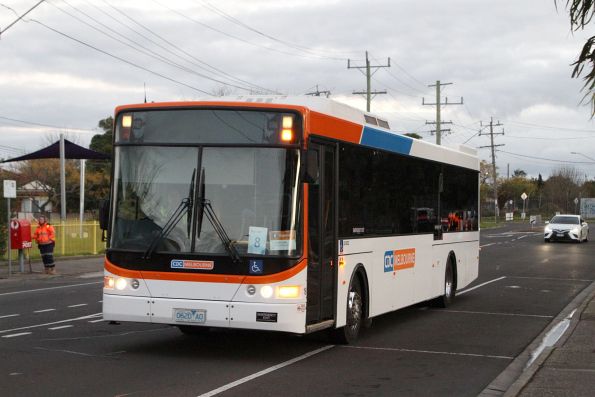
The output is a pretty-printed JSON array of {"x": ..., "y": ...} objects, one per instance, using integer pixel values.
[{"x": 197, "y": 316}]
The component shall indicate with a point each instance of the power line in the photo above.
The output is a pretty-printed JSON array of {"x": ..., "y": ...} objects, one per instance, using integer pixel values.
[
  {"x": 146, "y": 51},
  {"x": 545, "y": 159},
  {"x": 549, "y": 126},
  {"x": 207, "y": 67},
  {"x": 233, "y": 36},
  {"x": 20, "y": 17},
  {"x": 223, "y": 14},
  {"x": 45, "y": 125},
  {"x": 121, "y": 59}
]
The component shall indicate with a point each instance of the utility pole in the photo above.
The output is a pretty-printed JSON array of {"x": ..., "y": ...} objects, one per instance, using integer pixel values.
[
  {"x": 318, "y": 92},
  {"x": 368, "y": 93},
  {"x": 493, "y": 146},
  {"x": 438, "y": 103}
]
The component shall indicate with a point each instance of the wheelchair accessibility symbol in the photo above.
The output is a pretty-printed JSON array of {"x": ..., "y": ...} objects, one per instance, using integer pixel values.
[{"x": 256, "y": 266}]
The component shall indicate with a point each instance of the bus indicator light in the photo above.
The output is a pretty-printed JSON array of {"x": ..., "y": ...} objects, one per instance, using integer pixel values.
[
  {"x": 288, "y": 291},
  {"x": 108, "y": 282},
  {"x": 286, "y": 135}
]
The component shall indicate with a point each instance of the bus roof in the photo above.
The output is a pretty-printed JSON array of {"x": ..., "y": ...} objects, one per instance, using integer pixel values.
[{"x": 351, "y": 124}]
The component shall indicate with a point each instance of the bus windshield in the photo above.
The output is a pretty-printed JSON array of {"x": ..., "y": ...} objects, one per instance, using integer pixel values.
[{"x": 253, "y": 192}]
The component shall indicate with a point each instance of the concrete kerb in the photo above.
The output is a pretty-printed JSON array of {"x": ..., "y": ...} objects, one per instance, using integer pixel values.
[
  {"x": 516, "y": 376},
  {"x": 65, "y": 265}
]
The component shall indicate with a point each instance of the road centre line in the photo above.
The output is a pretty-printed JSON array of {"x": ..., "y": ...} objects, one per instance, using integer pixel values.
[
  {"x": 487, "y": 245},
  {"x": 492, "y": 313},
  {"x": 264, "y": 372},
  {"x": 15, "y": 335},
  {"x": 52, "y": 323},
  {"x": 396, "y": 349},
  {"x": 61, "y": 327},
  {"x": 95, "y": 321},
  {"x": 480, "y": 285},
  {"x": 49, "y": 288},
  {"x": 9, "y": 315},
  {"x": 44, "y": 310},
  {"x": 78, "y": 305}
]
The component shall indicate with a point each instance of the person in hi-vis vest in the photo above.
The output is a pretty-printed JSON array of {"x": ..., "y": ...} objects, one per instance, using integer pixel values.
[{"x": 45, "y": 237}]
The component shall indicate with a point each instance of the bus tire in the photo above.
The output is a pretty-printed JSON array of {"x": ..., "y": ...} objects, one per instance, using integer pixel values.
[
  {"x": 449, "y": 287},
  {"x": 355, "y": 315},
  {"x": 193, "y": 330}
]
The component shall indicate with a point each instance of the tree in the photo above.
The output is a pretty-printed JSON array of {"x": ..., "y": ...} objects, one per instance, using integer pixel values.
[
  {"x": 518, "y": 173},
  {"x": 581, "y": 13},
  {"x": 99, "y": 171},
  {"x": 413, "y": 135}
]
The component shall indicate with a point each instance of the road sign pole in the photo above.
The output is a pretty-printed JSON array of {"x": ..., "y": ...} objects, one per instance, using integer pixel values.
[{"x": 8, "y": 237}]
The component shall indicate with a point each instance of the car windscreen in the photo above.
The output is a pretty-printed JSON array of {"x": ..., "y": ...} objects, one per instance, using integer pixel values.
[{"x": 565, "y": 220}]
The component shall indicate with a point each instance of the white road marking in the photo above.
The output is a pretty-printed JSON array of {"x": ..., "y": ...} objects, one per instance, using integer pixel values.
[
  {"x": 487, "y": 245},
  {"x": 78, "y": 305},
  {"x": 264, "y": 372},
  {"x": 480, "y": 285},
  {"x": 9, "y": 315},
  {"x": 64, "y": 351},
  {"x": 52, "y": 323},
  {"x": 100, "y": 301},
  {"x": 95, "y": 321},
  {"x": 15, "y": 335},
  {"x": 44, "y": 310},
  {"x": 493, "y": 313},
  {"x": 553, "y": 278},
  {"x": 61, "y": 327},
  {"x": 551, "y": 337},
  {"x": 49, "y": 288},
  {"x": 396, "y": 349}
]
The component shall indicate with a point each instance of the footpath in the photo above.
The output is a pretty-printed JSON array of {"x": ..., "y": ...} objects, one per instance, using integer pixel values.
[{"x": 65, "y": 266}]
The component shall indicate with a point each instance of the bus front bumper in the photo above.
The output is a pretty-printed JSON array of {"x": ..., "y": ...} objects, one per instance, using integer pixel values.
[{"x": 284, "y": 317}]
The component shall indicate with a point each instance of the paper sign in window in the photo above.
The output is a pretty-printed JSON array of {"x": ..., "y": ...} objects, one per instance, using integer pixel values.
[
  {"x": 282, "y": 240},
  {"x": 257, "y": 240}
]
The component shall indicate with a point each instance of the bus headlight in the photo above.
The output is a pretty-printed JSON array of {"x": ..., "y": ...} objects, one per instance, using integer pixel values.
[
  {"x": 121, "y": 284},
  {"x": 266, "y": 291},
  {"x": 288, "y": 291}
]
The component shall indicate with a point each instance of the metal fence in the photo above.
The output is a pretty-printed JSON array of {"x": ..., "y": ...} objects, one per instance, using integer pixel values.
[{"x": 72, "y": 238}]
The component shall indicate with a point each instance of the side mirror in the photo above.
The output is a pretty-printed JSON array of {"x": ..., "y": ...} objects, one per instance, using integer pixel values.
[{"x": 312, "y": 167}]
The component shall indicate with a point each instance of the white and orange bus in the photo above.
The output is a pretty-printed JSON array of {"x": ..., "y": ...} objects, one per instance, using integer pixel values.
[{"x": 291, "y": 214}]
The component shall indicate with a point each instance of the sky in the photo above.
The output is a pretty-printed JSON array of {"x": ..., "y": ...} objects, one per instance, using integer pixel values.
[{"x": 69, "y": 63}]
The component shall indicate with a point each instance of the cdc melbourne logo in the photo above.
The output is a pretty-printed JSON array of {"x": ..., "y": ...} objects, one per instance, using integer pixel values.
[
  {"x": 389, "y": 261},
  {"x": 177, "y": 264}
]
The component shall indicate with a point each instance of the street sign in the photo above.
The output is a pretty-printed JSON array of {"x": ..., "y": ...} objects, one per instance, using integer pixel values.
[
  {"x": 575, "y": 200},
  {"x": 524, "y": 196},
  {"x": 10, "y": 189}
]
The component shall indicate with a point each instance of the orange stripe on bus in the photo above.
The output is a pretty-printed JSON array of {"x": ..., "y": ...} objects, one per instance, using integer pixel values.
[
  {"x": 333, "y": 127},
  {"x": 206, "y": 278}
]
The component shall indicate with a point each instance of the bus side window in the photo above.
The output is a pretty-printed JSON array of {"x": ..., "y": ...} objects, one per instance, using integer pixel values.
[{"x": 312, "y": 167}]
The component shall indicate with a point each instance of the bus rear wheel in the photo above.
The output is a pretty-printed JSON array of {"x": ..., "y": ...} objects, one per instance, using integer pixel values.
[
  {"x": 449, "y": 287},
  {"x": 355, "y": 315}
]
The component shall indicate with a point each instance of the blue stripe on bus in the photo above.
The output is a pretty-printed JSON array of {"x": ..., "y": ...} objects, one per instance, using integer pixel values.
[{"x": 387, "y": 141}]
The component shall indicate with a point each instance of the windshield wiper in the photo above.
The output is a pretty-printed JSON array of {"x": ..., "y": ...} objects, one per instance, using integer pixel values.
[
  {"x": 205, "y": 207},
  {"x": 185, "y": 206},
  {"x": 220, "y": 231}
]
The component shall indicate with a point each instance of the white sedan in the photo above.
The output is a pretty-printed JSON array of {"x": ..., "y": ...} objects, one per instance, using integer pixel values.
[{"x": 566, "y": 228}]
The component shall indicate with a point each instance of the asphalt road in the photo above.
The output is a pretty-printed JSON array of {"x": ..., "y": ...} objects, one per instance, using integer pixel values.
[{"x": 54, "y": 343}]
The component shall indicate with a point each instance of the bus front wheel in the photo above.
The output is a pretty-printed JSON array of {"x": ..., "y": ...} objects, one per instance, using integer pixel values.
[{"x": 355, "y": 315}]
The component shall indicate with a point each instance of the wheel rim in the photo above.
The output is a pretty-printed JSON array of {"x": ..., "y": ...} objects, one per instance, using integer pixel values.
[
  {"x": 354, "y": 310},
  {"x": 448, "y": 282}
]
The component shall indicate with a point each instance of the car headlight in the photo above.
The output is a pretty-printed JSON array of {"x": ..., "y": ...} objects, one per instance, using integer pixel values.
[
  {"x": 548, "y": 229},
  {"x": 576, "y": 230}
]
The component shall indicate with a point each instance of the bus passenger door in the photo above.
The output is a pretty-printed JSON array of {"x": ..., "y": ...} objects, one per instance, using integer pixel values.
[{"x": 322, "y": 244}]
